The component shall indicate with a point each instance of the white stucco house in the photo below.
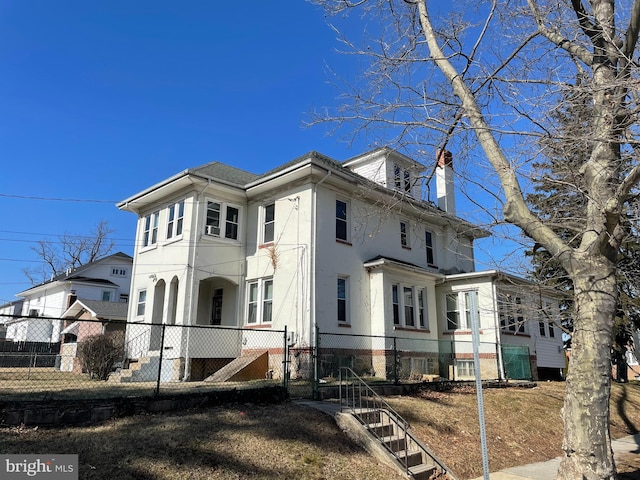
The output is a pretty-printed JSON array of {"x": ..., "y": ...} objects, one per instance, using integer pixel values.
[
  {"x": 347, "y": 247},
  {"x": 42, "y": 306}
]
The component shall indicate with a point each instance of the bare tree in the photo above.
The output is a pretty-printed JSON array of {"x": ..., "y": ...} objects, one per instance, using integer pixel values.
[
  {"x": 482, "y": 78},
  {"x": 69, "y": 251}
]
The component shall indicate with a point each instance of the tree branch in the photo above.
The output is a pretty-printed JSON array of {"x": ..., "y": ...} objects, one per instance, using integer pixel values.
[
  {"x": 574, "y": 50},
  {"x": 515, "y": 209},
  {"x": 631, "y": 37}
]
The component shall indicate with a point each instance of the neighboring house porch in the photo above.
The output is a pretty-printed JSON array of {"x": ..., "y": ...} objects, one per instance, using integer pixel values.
[{"x": 84, "y": 319}]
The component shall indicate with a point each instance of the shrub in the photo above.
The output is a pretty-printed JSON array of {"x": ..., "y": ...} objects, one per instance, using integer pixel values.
[{"x": 99, "y": 353}]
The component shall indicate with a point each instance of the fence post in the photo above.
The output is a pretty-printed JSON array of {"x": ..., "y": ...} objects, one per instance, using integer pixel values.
[
  {"x": 315, "y": 355},
  {"x": 285, "y": 364},
  {"x": 160, "y": 360},
  {"x": 395, "y": 361}
]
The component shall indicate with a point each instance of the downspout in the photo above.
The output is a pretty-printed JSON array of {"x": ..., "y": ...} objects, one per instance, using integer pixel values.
[
  {"x": 196, "y": 236},
  {"x": 312, "y": 260},
  {"x": 496, "y": 322},
  {"x": 132, "y": 298}
]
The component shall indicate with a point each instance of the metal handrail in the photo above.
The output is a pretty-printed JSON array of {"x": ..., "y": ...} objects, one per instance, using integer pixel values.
[
  {"x": 138, "y": 339},
  {"x": 362, "y": 400}
]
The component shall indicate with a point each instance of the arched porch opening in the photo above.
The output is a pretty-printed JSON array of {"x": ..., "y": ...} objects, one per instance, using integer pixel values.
[{"x": 217, "y": 302}]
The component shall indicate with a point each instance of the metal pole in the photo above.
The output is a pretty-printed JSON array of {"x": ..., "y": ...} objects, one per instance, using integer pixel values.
[
  {"x": 160, "y": 360},
  {"x": 285, "y": 364},
  {"x": 475, "y": 334},
  {"x": 315, "y": 363},
  {"x": 395, "y": 361}
]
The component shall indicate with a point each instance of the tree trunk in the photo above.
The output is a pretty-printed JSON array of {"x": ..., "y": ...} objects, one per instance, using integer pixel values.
[{"x": 587, "y": 441}]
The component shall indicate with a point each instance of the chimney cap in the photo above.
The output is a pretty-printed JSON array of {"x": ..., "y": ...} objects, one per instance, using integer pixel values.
[{"x": 444, "y": 158}]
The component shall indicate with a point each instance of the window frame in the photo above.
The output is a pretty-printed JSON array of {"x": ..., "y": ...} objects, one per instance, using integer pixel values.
[
  {"x": 150, "y": 229},
  {"x": 175, "y": 220},
  {"x": 429, "y": 248},
  {"x": 467, "y": 367},
  {"x": 342, "y": 301},
  {"x": 511, "y": 314},
  {"x": 409, "y": 306},
  {"x": 268, "y": 223},
  {"x": 259, "y": 301},
  {"x": 141, "y": 302},
  {"x": 423, "y": 318},
  {"x": 542, "y": 329},
  {"x": 222, "y": 225},
  {"x": 462, "y": 310},
  {"x": 404, "y": 234},
  {"x": 395, "y": 300},
  {"x": 407, "y": 309},
  {"x": 118, "y": 272},
  {"x": 342, "y": 221}
]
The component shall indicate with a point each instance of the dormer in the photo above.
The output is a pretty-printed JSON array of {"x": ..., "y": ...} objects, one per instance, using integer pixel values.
[{"x": 389, "y": 168}]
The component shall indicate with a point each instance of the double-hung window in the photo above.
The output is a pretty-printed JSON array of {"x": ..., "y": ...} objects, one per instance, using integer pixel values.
[
  {"x": 397, "y": 177},
  {"x": 428, "y": 243},
  {"x": 231, "y": 223},
  {"x": 402, "y": 178},
  {"x": 222, "y": 218},
  {"x": 150, "y": 236},
  {"x": 543, "y": 333},
  {"x": 511, "y": 314},
  {"x": 408, "y": 302},
  {"x": 343, "y": 300},
  {"x": 260, "y": 301},
  {"x": 175, "y": 220},
  {"x": 409, "y": 309},
  {"x": 396, "y": 305},
  {"x": 422, "y": 313},
  {"x": 459, "y": 309},
  {"x": 404, "y": 241},
  {"x": 407, "y": 181},
  {"x": 453, "y": 314},
  {"x": 342, "y": 220},
  {"x": 268, "y": 229},
  {"x": 142, "y": 301}
]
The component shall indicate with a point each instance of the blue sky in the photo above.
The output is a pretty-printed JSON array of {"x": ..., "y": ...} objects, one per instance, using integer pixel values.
[{"x": 99, "y": 100}]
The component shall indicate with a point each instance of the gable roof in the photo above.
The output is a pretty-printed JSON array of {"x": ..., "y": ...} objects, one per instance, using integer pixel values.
[
  {"x": 75, "y": 274},
  {"x": 98, "y": 309}
]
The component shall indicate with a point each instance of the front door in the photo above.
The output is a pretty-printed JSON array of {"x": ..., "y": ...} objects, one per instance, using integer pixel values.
[{"x": 216, "y": 309}]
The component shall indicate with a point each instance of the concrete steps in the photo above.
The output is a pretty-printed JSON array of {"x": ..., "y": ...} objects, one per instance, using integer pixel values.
[
  {"x": 144, "y": 369},
  {"x": 392, "y": 435}
]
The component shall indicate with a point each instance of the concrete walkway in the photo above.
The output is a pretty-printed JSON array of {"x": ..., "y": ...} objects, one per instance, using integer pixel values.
[
  {"x": 548, "y": 470},
  {"x": 535, "y": 471}
]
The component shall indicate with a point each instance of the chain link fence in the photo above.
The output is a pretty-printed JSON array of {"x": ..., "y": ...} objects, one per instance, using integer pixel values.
[
  {"x": 400, "y": 359},
  {"x": 52, "y": 358}
]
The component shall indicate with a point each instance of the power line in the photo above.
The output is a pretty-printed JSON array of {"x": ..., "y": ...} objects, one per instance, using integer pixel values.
[{"x": 55, "y": 199}]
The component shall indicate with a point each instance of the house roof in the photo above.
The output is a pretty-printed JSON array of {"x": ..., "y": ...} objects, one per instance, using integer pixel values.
[
  {"x": 98, "y": 309},
  {"x": 505, "y": 279},
  {"x": 383, "y": 261},
  {"x": 222, "y": 171},
  {"x": 331, "y": 165},
  {"x": 243, "y": 180},
  {"x": 76, "y": 273}
]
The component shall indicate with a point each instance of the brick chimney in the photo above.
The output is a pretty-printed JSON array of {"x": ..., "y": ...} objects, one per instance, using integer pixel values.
[
  {"x": 444, "y": 181},
  {"x": 72, "y": 297}
]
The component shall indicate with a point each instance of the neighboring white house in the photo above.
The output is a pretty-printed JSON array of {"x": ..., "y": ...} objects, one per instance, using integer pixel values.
[
  {"x": 106, "y": 279},
  {"x": 8, "y": 312},
  {"x": 346, "y": 247}
]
